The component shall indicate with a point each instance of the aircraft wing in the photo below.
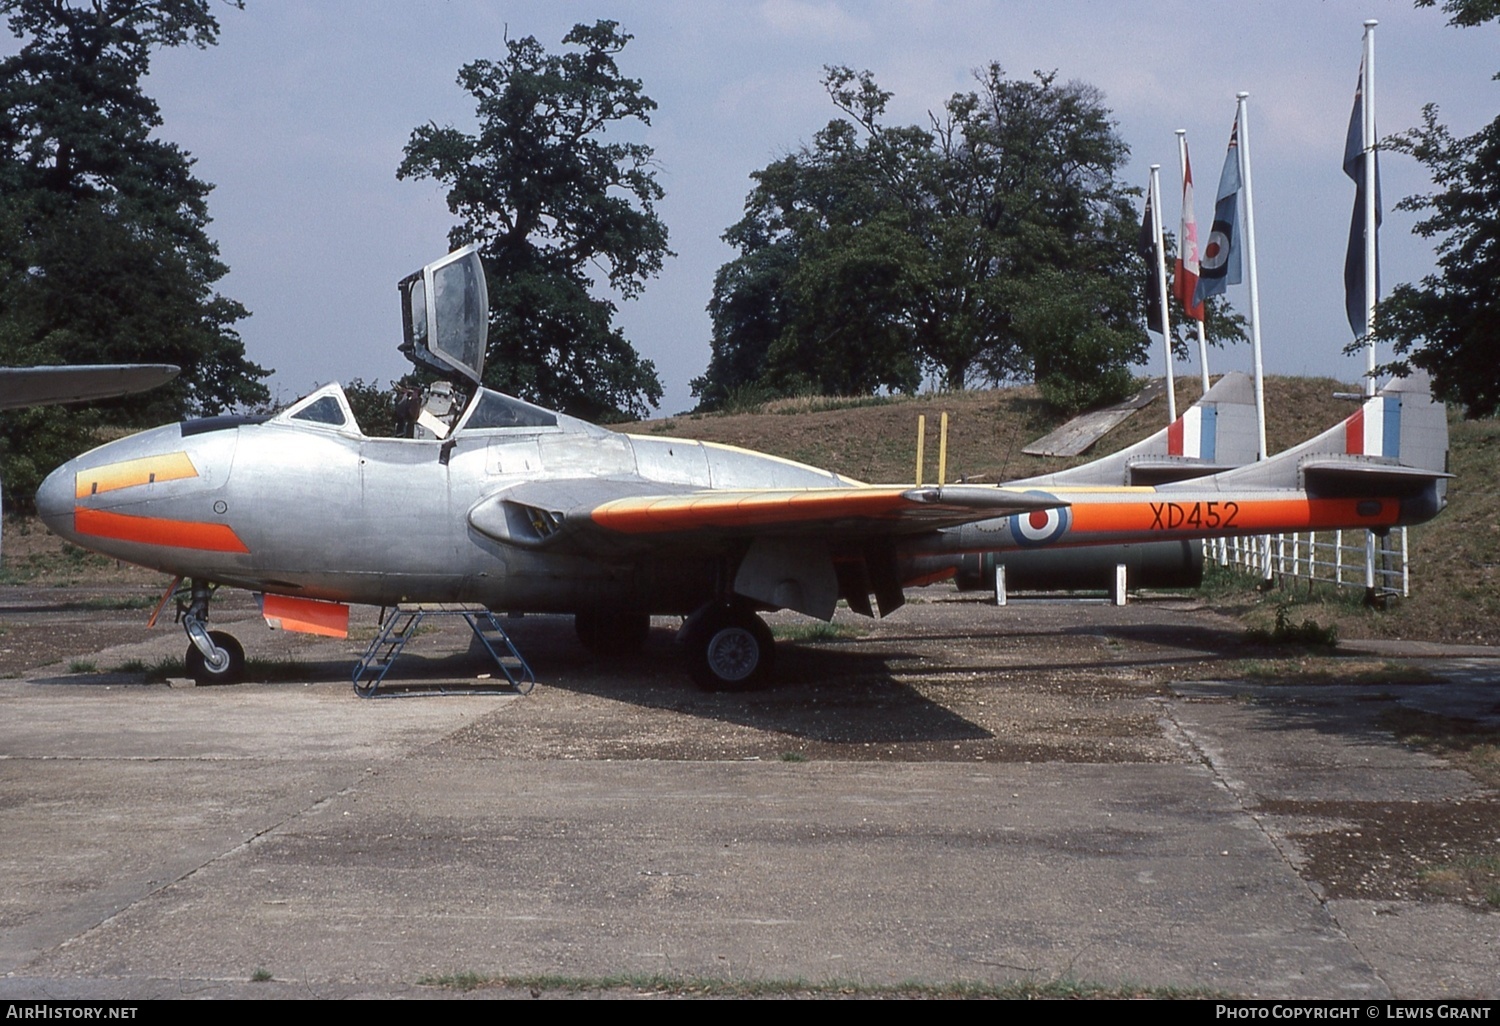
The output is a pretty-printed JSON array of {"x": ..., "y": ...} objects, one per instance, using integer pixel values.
[
  {"x": 594, "y": 511},
  {"x": 43, "y": 386}
]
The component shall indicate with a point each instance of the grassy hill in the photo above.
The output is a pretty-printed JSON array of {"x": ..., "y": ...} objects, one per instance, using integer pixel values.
[{"x": 1455, "y": 559}]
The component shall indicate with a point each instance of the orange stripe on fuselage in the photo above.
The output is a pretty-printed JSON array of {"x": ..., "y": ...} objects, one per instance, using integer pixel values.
[
  {"x": 178, "y": 534},
  {"x": 171, "y": 467},
  {"x": 1166, "y": 516}
]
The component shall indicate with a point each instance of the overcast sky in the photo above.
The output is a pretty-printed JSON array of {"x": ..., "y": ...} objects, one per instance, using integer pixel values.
[{"x": 299, "y": 117}]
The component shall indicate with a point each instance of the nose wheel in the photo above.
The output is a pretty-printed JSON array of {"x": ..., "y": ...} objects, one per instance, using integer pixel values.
[
  {"x": 224, "y": 665},
  {"x": 214, "y": 657},
  {"x": 729, "y": 648}
]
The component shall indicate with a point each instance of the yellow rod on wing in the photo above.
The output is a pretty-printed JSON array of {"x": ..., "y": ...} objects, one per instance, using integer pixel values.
[
  {"x": 943, "y": 451},
  {"x": 921, "y": 445}
]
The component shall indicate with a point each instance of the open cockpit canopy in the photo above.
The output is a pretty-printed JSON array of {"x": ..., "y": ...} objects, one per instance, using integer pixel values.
[{"x": 445, "y": 315}]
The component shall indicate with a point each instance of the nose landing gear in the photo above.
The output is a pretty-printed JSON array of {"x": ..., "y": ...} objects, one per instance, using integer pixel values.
[{"x": 214, "y": 657}]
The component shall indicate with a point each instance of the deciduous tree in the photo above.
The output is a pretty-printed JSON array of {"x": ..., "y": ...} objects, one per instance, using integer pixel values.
[
  {"x": 1449, "y": 323},
  {"x": 879, "y": 254},
  {"x": 104, "y": 251},
  {"x": 553, "y": 205}
]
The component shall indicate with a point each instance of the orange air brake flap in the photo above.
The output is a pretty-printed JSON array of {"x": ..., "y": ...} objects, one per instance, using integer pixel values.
[{"x": 306, "y": 616}]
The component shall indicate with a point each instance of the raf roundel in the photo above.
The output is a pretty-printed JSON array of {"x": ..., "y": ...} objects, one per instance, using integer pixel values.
[
  {"x": 1216, "y": 253},
  {"x": 1040, "y": 526}
]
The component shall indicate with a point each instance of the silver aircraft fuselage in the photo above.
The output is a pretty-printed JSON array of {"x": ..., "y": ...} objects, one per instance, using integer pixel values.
[
  {"x": 317, "y": 510},
  {"x": 524, "y": 509}
]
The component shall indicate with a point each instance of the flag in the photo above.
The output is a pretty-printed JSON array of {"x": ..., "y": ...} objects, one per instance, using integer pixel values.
[
  {"x": 1356, "y": 303},
  {"x": 1221, "y": 257},
  {"x": 1146, "y": 247},
  {"x": 1185, "y": 272}
]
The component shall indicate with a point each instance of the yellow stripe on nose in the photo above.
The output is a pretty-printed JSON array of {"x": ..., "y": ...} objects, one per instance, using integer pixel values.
[{"x": 147, "y": 470}]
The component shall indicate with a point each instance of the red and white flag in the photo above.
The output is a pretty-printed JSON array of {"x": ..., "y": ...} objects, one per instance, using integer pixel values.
[{"x": 1185, "y": 273}]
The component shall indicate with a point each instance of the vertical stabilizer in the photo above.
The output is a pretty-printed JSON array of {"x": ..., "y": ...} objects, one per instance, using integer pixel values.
[
  {"x": 1216, "y": 433},
  {"x": 1398, "y": 434}
]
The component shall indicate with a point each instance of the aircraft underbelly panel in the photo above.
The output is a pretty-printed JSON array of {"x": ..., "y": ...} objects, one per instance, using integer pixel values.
[{"x": 548, "y": 582}]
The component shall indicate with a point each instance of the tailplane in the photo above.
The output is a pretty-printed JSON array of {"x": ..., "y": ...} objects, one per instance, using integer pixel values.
[{"x": 1395, "y": 444}]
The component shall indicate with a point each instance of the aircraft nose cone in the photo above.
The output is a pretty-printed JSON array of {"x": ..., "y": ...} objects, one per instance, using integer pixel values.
[{"x": 54, "y": 500}]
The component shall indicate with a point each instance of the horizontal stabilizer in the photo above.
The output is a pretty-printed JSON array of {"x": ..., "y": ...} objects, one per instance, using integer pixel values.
[
  {"x": 1341, "y": 476},
  {"x": 1166, "y": 469}
]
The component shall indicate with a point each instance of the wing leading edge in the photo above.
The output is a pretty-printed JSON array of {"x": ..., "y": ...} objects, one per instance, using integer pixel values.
[
  {"x": 547, "y": 513},
  {"x": 801, "y": 549}
]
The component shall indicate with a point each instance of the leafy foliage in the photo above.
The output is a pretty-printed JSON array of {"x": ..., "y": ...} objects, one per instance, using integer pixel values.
[
  {"x": 995, "y": 244},
  {"x": 374, "y": 408},
  {"x": 552, "y": 204},
  {"x": 104, "y": 255},
  {"x": 1307, "y": 634},
  {"x": 1450, "y": 322},
  {"x": 1467, "y": 13}
]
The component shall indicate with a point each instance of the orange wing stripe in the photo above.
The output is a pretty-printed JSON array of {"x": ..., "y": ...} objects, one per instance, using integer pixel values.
[
  {"x": 678, "y": 513},
  {"x": 180, "y": 534},
  {"x": 171, "y": 467}
]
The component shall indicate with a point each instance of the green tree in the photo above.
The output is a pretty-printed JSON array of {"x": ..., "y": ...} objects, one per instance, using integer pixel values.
[
  {"x": 1449, "y": 324},
  {"x": 940, "y": 250},
  {"x": 1467, "y": 13},
  {"x": 552, "y": 204},
  {"x": 104, "y": 254}
]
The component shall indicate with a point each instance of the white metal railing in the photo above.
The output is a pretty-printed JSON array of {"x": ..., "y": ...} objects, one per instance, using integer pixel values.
[{"x": 1313, "y": 557}]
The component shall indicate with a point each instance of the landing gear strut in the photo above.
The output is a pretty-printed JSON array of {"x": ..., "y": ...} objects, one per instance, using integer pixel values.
[
  {"x": 729, "y": 648},
  {"x": 214, "y": 657}
]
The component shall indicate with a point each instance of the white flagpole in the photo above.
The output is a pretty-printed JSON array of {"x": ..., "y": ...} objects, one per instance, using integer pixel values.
[
  {"x": 1242, "y": 120},
  {"x": 1202, "y": 335},
  {"x": 1367, "y": 92},
  {"x": 1367, "y": 88},
  {"x": 1161, "y": 288},
  {"x": 1249, "y": 206}
]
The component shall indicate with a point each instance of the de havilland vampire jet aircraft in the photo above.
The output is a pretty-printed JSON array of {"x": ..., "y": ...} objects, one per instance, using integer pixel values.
[{"x": 523, "y": 509}]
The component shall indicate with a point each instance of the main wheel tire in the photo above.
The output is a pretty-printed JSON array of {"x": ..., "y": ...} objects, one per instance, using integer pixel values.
[
  {"x": 233, "y": 671},
  {"x": 617, "y": 635},
  {"x": 731, "y": 650}
]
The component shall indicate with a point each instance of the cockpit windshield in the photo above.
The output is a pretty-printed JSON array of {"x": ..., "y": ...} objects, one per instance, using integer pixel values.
[
  {"x": 492, "y": 410},
  {"x": 327, "y": 407}
]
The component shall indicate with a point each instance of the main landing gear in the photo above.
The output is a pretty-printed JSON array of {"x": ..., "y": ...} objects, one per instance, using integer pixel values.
[
  {"x": 729, "y": 648},
  {"x": 214, "y": 657}
]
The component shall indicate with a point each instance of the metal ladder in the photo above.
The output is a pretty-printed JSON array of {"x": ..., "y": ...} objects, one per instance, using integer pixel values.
[{"x": 401, "y": 626}]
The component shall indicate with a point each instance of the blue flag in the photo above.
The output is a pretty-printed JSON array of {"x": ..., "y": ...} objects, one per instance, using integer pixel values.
[
  {"x": 1356, "y": 303},
  {"x": 1220, "y": 261}
]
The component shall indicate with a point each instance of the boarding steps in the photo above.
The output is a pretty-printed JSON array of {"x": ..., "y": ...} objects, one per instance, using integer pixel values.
[{"x": 401, "y": 626}]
